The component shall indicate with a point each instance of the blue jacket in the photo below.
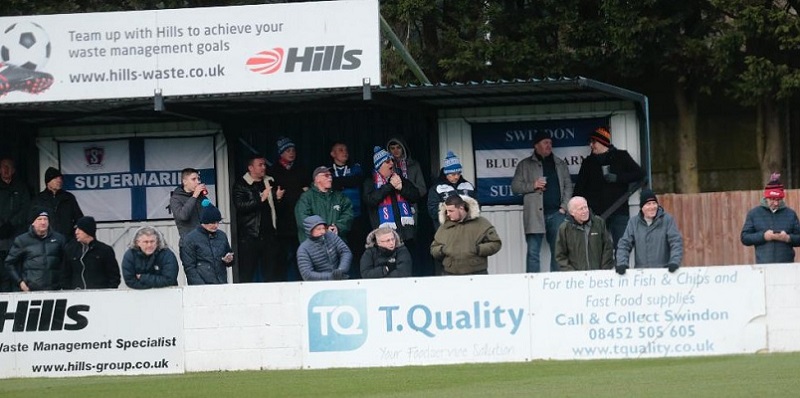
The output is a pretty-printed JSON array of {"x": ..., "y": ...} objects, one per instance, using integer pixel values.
[
  {"x": 759, "y": 220},
  {"x": 201, "y": 255},
  {"x": 159, "y": 269},
  {"x": 657, "y": 244},
  {"x": 318, "y": 257}
]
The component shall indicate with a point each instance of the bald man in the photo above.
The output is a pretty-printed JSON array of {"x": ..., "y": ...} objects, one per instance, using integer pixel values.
[{"x": 583, "y": 242}]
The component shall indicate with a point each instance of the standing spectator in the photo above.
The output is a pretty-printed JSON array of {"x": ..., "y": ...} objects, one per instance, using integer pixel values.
[
  {"x": 15, "y": 200},
  {"x": 293, "y": 179},
  {"x": 89, "y": 263},
  {"x": 604, "y": 178},
  {"x": 256, "y": 198},
  {"x": 348, "y": 178},
  {"x": 323, "y": 256},
  {"x": 323, "y": 201},
  {"x": 450, "y": 182},
  {"x": 34, "y": 260},
  {"x": 185, "y": 202},
  {"x": 654, "y": 235},
  {"x": 385, "y": 256},
  {"x": 583, "y": 242},
  {"x": 544, "y": 181},
  {"x": 406, "y": 166},
  {"x": 772, "y": 227},
  {"x": 149, "y": 263},
  {"x": 388, "y": 197},
  {"x": 465, "y": 240},
  {"x": 206, "y": 253},
  {"x": 62, "y": 205}
]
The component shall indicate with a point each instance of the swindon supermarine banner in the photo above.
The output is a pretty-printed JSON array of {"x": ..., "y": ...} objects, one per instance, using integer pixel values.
[
  {"x": 189, "y": 51},
  {"x": 131, "y": 179},
  {"x": 500, "y": 146}
]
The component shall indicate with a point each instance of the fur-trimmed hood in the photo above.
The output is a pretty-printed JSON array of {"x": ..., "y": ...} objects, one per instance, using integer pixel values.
[
  {"x": 474, "y": 210},
  {"x": 372, "y": 241}
]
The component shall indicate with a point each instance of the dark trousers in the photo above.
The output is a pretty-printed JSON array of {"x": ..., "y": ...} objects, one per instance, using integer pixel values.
[
  {"x": 258, "y": 262},
  {"x": 356, "y": 239},
  {"x": 5, "y": 280},
  {"x": 287, "y": 252}
]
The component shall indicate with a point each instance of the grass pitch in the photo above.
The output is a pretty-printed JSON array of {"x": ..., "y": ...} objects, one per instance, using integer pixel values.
[{"x": 772, "y": 375}]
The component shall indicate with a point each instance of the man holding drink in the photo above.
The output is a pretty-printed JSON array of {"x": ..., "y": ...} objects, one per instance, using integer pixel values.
[{"x": 544, "y": 181}]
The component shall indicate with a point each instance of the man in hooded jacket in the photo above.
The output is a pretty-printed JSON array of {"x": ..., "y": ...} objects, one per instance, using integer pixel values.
[
  {"x": 323, "y": 256},
  {"x": 385, "y": 255}
]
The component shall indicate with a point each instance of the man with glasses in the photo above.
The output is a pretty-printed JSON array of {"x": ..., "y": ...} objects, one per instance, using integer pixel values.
[
  {"x": 772, "y": 227},
  {"x": 333, "y": 206}
]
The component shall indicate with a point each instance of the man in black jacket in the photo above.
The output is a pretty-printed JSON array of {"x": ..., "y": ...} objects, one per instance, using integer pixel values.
[
  {"x": 89, "y": 263},
  {"x": 255, "y": 197},
  {"x": 34, "y": 261},
  {"x": 62, "y": 206}
]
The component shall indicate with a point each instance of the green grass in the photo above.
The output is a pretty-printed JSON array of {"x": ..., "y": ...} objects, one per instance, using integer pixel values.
[{"x": 772, "y": 375}]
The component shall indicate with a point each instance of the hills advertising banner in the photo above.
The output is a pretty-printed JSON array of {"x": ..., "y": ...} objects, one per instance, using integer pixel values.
[{"x": 208, "y": 50}]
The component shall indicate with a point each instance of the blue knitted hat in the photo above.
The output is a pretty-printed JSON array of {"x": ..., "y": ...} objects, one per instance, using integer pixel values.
[
  {"x": 451, "y": 163},
  {"x": 379, "y": 155}
]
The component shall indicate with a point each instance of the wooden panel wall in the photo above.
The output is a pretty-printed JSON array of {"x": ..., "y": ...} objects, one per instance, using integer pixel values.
[{"x": 711, "y": 224}]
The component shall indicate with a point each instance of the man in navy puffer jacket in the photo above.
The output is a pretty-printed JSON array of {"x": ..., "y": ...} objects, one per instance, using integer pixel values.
[{"x": 324, "y": 255}]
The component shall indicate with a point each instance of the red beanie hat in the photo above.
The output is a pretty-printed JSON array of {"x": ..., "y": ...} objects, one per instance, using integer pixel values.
[{"x": 774, "y": 188}]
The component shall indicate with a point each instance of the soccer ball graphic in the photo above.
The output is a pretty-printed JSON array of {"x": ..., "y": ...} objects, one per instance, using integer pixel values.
[{"x": 25, "y": 44}]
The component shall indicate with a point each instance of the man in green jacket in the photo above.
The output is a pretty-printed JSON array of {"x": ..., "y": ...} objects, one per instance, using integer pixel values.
[
  {"x": 583, "y": 242},
  {"x": 465, "y": 240},
  {"x": 321, "y": 200}
]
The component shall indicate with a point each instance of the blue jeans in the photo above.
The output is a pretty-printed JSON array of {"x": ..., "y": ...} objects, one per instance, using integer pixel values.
[
  {"x": 551, "y": 223},
  {"x": 616, "y": 224}
]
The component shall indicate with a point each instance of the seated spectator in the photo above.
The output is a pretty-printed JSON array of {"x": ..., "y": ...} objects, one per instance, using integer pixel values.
[
  {"x": 206, "y": 253},
  {"x": 89, "y": 263},
  {"x": 386, "y": 256},
  {"x": 149, "y": 263},
  {"x": 324, "y": 255}
]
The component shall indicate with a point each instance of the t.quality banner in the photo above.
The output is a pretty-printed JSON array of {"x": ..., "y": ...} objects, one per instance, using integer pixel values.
[
  {"x": 204, "y": 50},
  {"x": 131, "y": 179},
  {"x": 500, "y": 146}
]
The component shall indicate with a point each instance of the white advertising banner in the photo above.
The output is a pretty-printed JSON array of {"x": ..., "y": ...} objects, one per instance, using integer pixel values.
[
  {"x": 432, "y": 321},
  {"x": 85, "y": 333},
  {"x": 205, "y": 50},
  {"x": 648, "y": 313},
  {"x": 132, "y": 178}
]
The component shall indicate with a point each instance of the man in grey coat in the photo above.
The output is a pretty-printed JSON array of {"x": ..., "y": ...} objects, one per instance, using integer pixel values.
[
  {"x": 544, "y": 181},
  {"x": 324, "y": 255},
  {"x": 654, "y": 235}
]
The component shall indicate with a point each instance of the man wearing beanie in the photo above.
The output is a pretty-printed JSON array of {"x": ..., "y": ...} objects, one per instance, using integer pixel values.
[
  {"x": 62, "y": 205},
  {"x": 323, "y": 201},
  {"x": 89, "y": 263},
  {"x": 389, "y": 198},
  {"x": 34, "y": 260},
  {"x": 293, "y": 179},
  {"x": 604, "y": 178},
  {"x": 654, "y": 235},
  {"x": 772, "y": 227},
  {"x": 206, "y": 253},
  {"x": 544, "y": 182},
  {"x": 450, "y": 182}
]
